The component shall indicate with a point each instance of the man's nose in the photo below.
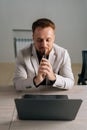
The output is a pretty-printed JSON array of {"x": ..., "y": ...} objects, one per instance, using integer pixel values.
[{"x": 44, "y": 43}]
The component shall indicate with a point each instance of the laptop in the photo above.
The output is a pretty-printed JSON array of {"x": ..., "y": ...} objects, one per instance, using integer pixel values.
[{"x": 47, "y": 107}]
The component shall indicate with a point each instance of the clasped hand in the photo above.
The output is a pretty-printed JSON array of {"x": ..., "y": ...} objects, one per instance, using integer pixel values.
[{"x": 45, "y": 70}]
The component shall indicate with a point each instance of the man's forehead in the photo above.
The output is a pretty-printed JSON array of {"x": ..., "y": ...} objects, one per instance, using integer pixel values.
[{"x": 41, "y": 32}]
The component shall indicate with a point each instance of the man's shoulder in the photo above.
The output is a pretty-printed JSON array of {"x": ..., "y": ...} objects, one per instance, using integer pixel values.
[
  {"x": 27, "y": 50},
  {"x": 60, "y": 51},
  {"x": 59, "y": 48}
]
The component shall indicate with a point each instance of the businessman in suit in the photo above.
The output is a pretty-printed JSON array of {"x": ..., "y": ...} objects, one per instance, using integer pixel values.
[{"x": 43, "y": 63}]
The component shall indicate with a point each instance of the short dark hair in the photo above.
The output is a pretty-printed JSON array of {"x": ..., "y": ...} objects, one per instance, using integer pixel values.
[{"x": 43, "y": 22}]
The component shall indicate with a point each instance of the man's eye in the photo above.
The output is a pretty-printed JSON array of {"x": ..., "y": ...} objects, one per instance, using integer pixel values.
[
  {"x": 48, "y": 40},
  {"x": 39, "y": 40}
]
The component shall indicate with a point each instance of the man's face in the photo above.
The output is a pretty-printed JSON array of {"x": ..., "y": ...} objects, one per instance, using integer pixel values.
[{"x": 43, "y": 39}]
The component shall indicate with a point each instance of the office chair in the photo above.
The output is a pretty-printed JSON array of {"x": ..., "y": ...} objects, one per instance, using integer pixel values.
[{"x": 83, "y": 75}]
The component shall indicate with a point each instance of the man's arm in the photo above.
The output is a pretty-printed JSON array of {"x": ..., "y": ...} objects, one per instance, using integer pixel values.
[
  {"x": 21, "y": 79},
  {"x": 65, "y": 78}
]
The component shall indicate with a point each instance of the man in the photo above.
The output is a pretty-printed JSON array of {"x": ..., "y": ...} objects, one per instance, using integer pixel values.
[{"x": 43, "y": 62}]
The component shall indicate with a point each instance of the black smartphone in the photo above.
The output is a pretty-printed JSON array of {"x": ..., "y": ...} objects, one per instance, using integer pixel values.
[{"x": 44, "y": 56}]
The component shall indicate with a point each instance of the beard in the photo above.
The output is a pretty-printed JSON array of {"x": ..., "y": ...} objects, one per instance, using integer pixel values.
[{"x": 41, "y": 51}]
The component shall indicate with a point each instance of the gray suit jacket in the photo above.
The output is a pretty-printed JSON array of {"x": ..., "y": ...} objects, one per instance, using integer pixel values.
[{"x": 27, "y": 67}]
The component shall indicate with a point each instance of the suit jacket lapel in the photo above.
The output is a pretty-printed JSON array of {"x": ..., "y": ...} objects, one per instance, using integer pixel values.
[
  {"x": 34, "y": 60},
  {"x": 52, "y": 57}
]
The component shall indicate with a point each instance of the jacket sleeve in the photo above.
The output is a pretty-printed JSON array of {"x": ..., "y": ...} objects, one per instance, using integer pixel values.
[
  {"x": 21, "y": 80},
  {"x": 65, "y": 78}
]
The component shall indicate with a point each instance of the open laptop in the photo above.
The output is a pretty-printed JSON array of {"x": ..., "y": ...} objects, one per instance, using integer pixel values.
[{"x": 47, "y": 107}]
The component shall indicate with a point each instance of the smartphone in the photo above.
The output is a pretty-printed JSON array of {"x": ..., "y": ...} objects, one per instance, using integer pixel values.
[{"x": 44, "y": 56}]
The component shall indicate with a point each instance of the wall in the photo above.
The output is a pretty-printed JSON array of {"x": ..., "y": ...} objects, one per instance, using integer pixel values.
[{"x": 69, "y": 16}]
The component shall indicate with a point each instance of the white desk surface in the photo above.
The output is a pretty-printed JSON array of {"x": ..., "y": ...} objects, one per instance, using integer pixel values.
[{"x": 8, "y": 114}]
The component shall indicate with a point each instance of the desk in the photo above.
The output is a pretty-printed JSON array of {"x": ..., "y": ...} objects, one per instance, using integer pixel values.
[{"x": 8, "y": 114}]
